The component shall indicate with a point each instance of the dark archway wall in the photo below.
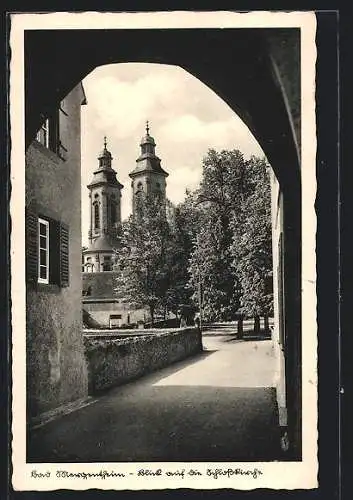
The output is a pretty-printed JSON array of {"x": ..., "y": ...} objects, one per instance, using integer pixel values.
[
  {"x": 247, "y": 68},
  {"x": 255, "y": 71}
]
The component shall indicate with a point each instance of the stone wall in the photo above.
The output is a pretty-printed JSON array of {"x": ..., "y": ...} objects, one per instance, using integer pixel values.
[{"x": 114, "y": 362}]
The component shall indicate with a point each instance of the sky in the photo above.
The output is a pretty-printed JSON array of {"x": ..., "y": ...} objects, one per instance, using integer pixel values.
[{"x": 186, "y": 119}]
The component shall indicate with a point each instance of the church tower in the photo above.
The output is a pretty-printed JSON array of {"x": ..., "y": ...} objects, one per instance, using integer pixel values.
[
  {"x": 148, "y": 177},
  {"x": 105, "y": 215}
]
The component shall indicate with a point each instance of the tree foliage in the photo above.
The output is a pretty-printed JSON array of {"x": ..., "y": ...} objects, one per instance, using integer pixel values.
[
  {"x": 153, "y": 258},
  {"x": 232, "y": 255},
  {"x": 252, "y": 243},
  {"x": 217, "y": 242},
  {"x": 218, "y": 196},
  {"x": 142, "y": 256}
]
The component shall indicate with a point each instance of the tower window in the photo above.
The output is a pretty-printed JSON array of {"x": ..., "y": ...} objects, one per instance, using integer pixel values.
[
  {"x": 89, "y": 266},
  {"x": 107, "y": 264},
  {"x": 96, "y": 216},
  {"x": 113, "y": 218}
]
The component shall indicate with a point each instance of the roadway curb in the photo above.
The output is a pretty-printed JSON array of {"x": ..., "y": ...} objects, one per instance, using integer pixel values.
[{"x": 56, "y": 413}]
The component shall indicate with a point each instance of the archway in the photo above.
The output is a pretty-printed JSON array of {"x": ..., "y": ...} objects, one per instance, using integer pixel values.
[{"x": 248, "y": 70}]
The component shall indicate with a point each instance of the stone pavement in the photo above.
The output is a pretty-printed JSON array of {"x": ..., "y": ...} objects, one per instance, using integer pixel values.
[{"x": 217, "y": 406}]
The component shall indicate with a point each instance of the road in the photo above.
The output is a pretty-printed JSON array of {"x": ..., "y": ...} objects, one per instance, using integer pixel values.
[{"x": 217, "y": 406}]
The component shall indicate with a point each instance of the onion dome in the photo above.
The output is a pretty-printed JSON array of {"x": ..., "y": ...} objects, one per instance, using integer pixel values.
[
  {"x": 148, "y": 161},
  {"x": 147, "y": 138},
  {"x": 105, "y": 157}
]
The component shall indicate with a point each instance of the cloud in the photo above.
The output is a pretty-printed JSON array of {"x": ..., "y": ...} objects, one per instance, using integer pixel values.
[
  {"x": 232, "y": 133},
  {"x": 185, "y": 177},
  {"x": 187, "y": 118},
  {"x": 126, "y": 105}
]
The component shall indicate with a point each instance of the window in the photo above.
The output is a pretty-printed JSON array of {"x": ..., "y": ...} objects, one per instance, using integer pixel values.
[
  {"x": 96, "y": 216},
  {"x": 43, "y": 251},
  {"x": 158, "y": 191},
  {"x": 47, "y": 250},
  {"x": 89, "y": 266},
  {"x": 43, "y": 134},
  {"x": 50, "y": 136},
  {"x": 107, "y": 264},
  {"x": 113, "y": 211}
]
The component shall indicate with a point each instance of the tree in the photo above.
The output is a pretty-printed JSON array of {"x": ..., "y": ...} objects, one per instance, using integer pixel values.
[
  {"x": 216, "y": 244},
  {"x": 211, "y": 270},
  {"x": 179, "y": 292},
  {"x": 231, "y": 230},
  {"x": 252, "y": 244},
  {"x": 142, "y": 256},
  {"x": 219, "y": 195}
]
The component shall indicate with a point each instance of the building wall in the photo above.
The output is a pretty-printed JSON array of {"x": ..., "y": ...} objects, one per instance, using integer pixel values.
[
  {"x": 102, "y": 301},
  {"x": 148, "y": 183},
  {"x": 101, "y": 312},
  {"x": 56, "y": 365},
  {"x": 286, "y": 219},
  {"x": 278, "y": 331},
  {"x": 101, "y": 195}
]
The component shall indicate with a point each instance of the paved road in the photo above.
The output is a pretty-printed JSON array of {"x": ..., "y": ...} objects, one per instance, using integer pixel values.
[{"x": 218, "y": 406}]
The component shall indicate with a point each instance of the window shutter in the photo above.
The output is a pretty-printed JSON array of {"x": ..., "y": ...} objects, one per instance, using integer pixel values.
[
  {"x": 54, "y": 131},
  {"x": 64, "y": 255},
  {"x": 62, "y": 149},
  {"x": 31, "y": 246}
]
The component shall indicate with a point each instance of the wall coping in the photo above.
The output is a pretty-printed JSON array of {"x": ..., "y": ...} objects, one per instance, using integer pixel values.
[
  {"x": 100, "y": 273},
  {"x": 93, "y": 300},
  {"x": 94, "y": 339}
]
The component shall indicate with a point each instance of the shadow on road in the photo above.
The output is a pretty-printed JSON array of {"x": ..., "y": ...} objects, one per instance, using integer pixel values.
[
  {"x": 246, "y": 338},
  {"x": 199, "y": 415},
  {"x": 167, "y": 424}
]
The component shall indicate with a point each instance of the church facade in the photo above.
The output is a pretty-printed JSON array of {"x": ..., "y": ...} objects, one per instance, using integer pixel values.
[
  {"x": 105, "y": 215},
  {"x": 104, "y": 306},
  {"x": 148, "y": 177}
]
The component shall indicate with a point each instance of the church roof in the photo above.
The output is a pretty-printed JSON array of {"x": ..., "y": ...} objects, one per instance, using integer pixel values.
[
  {"x": 105, "y": 153},
  {"x": 105, "y": 174},
  {"x": 147, "y": 138},
  {"x": 100, "y": 244},
  {"x": 148, "y": 161}
]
